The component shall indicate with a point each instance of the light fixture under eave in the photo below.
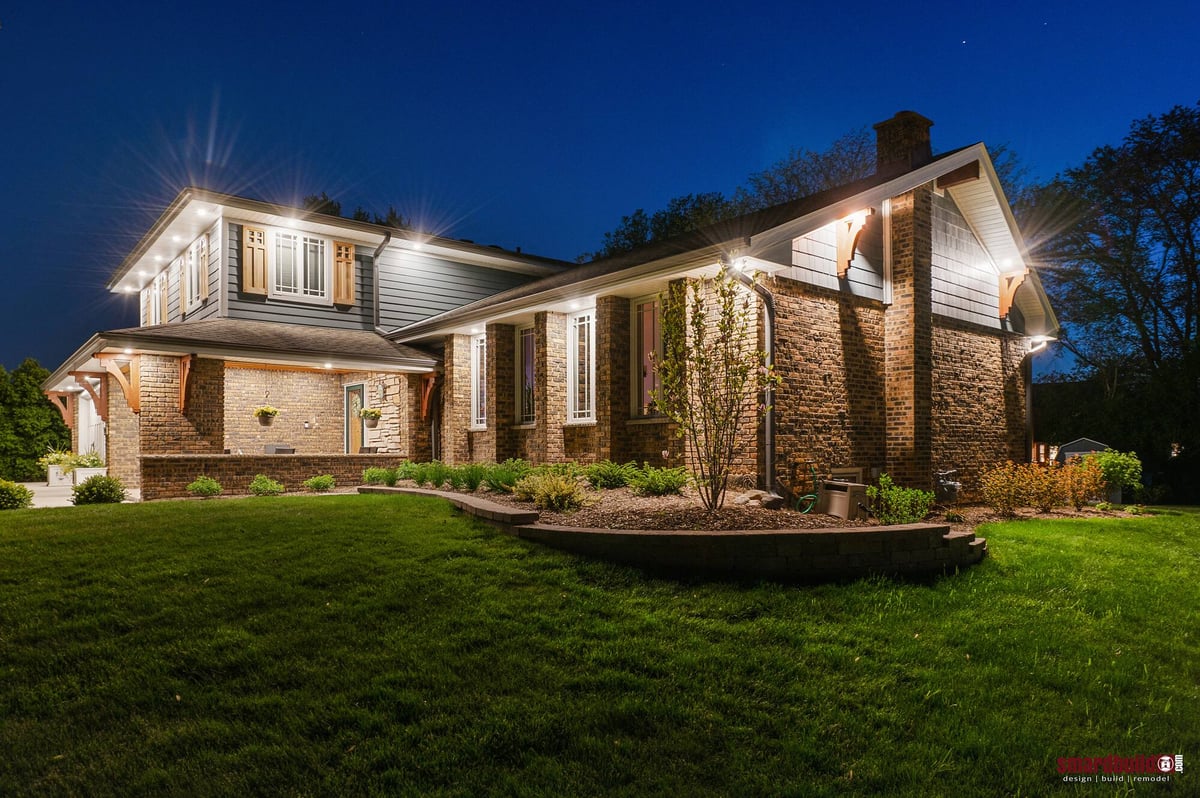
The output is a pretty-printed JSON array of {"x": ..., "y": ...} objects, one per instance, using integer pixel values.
[
  {"x": 328, "y": 365},
  {"x": 127, "y": 351}
]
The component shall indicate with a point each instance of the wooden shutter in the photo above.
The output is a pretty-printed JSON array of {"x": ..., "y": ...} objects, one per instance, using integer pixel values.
[
  {"x": 343, "y": 273},
  {"x": 254, "y": 261},
  {"x": 202, "y": 266}
]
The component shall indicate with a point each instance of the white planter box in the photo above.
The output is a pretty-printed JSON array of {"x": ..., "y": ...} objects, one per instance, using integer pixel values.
[
  {"x": 82, "y": 474},
  {"x": 55, "y": 477}
]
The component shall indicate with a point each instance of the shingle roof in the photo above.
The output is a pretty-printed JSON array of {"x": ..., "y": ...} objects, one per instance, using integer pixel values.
[{"x": 266, "y": 337}]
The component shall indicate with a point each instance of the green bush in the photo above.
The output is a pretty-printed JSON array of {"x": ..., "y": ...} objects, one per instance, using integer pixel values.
[
  {"x": 14, "y": 496},
  {"x": 550, "y": 491},
  {"x": 419, "y": 474},
  {"x": 651, "y": 481},
  {"x": 378, "y": 476},
  {"x": 1120, "y": 469},
  {"x": 892, "y": 504},
  {"x": 502, "y": 477},
  {"x": 204, "y": 486},
  {"x": 403, "y": 471},
  {"x": 320, "y": 484},
  {"x": 438, "y": 473},
  {"x": 471, "y": 476},
  {"x": 1002, "y": 488},
  {"x": 262, "y": 485},
  {"x": 99, "y": 490},
  {"x": 607, "y": 474}
]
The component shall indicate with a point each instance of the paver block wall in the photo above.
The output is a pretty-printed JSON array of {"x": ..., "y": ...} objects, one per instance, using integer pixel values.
[
  {"x": 301, "y": 396},
  {"x": 167, "y": 476}
]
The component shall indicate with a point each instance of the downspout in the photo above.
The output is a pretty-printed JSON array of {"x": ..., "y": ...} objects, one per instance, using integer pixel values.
[{"x": 769, "y": 335}]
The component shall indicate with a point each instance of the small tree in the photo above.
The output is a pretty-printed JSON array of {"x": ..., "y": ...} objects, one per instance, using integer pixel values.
[{"x": 711, "y": 374}]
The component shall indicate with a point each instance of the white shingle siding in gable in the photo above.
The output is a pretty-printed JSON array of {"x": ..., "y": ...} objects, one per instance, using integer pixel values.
[
  {"x": 814, "y": 261},
  {"x": 965, "y": 284}
]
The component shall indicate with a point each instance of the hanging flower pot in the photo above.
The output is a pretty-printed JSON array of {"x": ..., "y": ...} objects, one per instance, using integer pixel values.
[
  {"x": 266, "y": 414},
  {"x": 370, "y": 416}
]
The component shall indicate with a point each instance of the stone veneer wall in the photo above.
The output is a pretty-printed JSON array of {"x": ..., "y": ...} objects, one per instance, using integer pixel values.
[
  {"x": 548, "y": 443},
  {"x": 315, "y": 397},
  {"x": 830, "y": 406},
  {"x": 978, "y": 415},
  {"x": 388, "y": 393},
  {"x": 124, "y": 437},
  {"x": 200, "y": 428},
  {"x": 167, "y": 476}
]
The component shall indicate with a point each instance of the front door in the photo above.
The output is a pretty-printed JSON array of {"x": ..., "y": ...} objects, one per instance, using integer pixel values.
[{"x": 354, "y": 422}]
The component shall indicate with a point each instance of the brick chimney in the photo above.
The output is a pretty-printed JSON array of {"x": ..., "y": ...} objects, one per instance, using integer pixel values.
[{"x": 902, "y": 143}]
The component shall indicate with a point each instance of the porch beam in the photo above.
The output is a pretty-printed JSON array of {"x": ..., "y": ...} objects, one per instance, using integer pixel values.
[
  {"x": 130, "y": 383},
  {"x": 955, "y": 177},
  {"x": 66, "y": 402},
  {"x": 185, "y": 371},
  {"x": 99, "y": 400}
]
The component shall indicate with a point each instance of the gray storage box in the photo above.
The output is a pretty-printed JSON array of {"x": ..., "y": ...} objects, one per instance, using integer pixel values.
[{"x": 842, "y": 499}]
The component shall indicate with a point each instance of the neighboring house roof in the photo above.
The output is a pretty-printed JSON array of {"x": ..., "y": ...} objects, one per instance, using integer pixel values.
[
  {"x": 755, "y": 234},
  {"x": 1080, "y": 446},
  {"x": 250, "y": 341},
  {"x": 193, "y": 210}
]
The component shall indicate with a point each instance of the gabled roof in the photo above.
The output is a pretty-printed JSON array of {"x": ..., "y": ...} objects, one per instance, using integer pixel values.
[
  {"x": 758, "y": 232},
  {"x": 195, "y": 209},
  {"x": 250, "y": 341}
]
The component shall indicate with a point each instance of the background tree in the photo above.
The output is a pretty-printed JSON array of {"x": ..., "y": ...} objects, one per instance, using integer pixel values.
[
  {"x": 1120, "y": 237},
  {"x": 711, "y": 377},
  {"x": 29, "y": 424}
]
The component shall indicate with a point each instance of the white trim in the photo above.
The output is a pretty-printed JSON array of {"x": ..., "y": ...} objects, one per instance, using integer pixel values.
[
  {"x": 478, "y": 382},
  {"x": 194, "y": 271},
  {"x": 302, "y": 240},
  {"x": 576, "y": 414},
  {"x": 885, "y": 209},
  {"x": 519, "y": 382}
]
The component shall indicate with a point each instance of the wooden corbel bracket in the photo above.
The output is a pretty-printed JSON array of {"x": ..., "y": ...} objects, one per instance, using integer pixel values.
[
  {"x": 1009, "y": 283},
  {"x": 126, "y": 370}
]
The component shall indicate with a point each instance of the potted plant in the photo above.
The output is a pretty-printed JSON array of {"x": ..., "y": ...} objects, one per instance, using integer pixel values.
[
  {"x": 86, "y": 466},
  {"x": 57, "y": 464},
  {"x": 370, "y": 416},
  {"x": 265, "y": 414}
]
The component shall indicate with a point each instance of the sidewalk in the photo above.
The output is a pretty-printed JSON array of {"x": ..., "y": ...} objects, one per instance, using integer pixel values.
[{"x": 60, "y": 495}]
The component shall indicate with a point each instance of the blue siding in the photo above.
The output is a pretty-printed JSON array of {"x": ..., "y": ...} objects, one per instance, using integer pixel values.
[
  {"x": 415, "y": 286},
  {"x": 965, "y": 284},
  {"x": 814, "y": 260}
]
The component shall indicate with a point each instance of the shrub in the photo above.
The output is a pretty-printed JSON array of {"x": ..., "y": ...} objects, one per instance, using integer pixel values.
[
  {"x": 403, "y": 471},
  {"x": 1001, "y": 488},
  {"x": 607, "y": 474},
  {"x": 651, "y": 481},
  {"x": 1121, "y": 470},
  {"x": 892, "y": 504},
  {"x": 262, "y": 485},
  {"x": 1106, "y": 507},
  {"x": 502, "y": 477},
  {"x": 471, "y": 475},
  {"x": 1135, "y": 509},
  {"x": 955, "y": 517},
  {"x": 419, "y": 474},
  {"x": 204, "y": 486},
  {"x": 1082, "y": 481},
  {"x": 568, "y": 469},
  {"x": 1041, "y": 486},
  {"x": 321, "y": 483},
  {"x": 438, "y": 473},
  {"x": 98, "y": 490},
  {"x": 550, "y": 491},
  {"x": 378, "y": 476},
  {"x": 14, "y": 496}
]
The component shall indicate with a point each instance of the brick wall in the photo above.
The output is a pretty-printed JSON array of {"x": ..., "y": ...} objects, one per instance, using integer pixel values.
[
  {"x": 167, "y": 476},
  {"x": 200, "y": 428},
  {"x": 830, "y": 406},
  {"x": 124, "y": 437},
  {"x": 420, "y": 444},
  {"x": 301, "y": 396},
  {"x": 613, "y": 387},
  {"x": 550, "y": 386}
]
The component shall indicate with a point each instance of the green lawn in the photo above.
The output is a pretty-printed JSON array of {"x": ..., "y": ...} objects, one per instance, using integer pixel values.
[{"x": 358, "y": 644}]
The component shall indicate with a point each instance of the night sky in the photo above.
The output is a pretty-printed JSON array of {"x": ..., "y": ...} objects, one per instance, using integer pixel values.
[{"x": 531, "y": 125}]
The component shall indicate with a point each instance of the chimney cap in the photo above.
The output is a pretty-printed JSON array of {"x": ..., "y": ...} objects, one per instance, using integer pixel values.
[{"x": 910, "y": 117}]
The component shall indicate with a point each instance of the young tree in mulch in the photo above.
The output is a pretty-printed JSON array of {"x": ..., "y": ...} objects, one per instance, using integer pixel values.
[{"x": 712, "y": 376}]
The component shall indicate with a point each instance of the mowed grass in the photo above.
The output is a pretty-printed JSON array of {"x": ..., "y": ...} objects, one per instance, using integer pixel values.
[{"x": 384, "y": 644}]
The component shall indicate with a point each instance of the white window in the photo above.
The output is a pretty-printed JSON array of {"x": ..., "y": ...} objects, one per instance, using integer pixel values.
[
  {"x": 195, "y": 273},
  {"x": 525, "y": 376},
  {"x": 154, "y": 303},
  {"x": 581, "y": 367},
  {"x": 479, "y": 382},
  {"x": 648, "y": 353},
  {"x": 299, "y": 267}
]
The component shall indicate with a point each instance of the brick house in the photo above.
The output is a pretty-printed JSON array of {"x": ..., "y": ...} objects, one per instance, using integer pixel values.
[{"x": 900, "y": 309}]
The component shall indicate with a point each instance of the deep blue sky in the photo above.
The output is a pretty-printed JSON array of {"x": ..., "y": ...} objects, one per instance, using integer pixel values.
[{"x": 531, "y": 125}]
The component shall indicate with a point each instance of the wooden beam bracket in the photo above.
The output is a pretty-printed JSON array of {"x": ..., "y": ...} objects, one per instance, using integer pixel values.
[
  {"x": 1009, "y": 283},
  {"x": 848, "y": 230},
  {"x": 126, "y": 370},
  {"x": 955, "y": 177},
  {"x": 66, "y": 402},
  {"x": 185, "y": 371},
  {"x": 99, "y": 399},
  {"x": 426, "y": 392}
]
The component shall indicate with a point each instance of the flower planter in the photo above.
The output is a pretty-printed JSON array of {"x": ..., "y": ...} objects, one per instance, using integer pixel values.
[
  {"x": 83, "y": 474},
  {"x": 56, "y": 477},
  {"x": 371, "y": 423},
  {"x": 266, "y": 420}
]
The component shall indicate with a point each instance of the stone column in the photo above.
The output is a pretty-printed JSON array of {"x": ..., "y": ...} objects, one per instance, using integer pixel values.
[
  {"x": 550, "y": 386},
  {"x": 501, "y": 391},
  {"x": 613, "y": 388},
  {"x": 456, "y": 399}
]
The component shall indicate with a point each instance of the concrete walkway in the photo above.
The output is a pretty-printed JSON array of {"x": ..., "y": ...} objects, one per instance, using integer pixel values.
[{"x": 60, "y": 495}]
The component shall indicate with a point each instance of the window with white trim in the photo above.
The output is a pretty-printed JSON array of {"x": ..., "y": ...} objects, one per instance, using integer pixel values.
[
  {"x": 154, "y": 301},
  {"x": 581, "y": 367},
  {"x": 299, "y": 267},
  {"x": 195, "y": 273},
  {"x": 648, "y": 353},
  {"x": 479, "y": 382},
  {"x": 525, "y": 376}
]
